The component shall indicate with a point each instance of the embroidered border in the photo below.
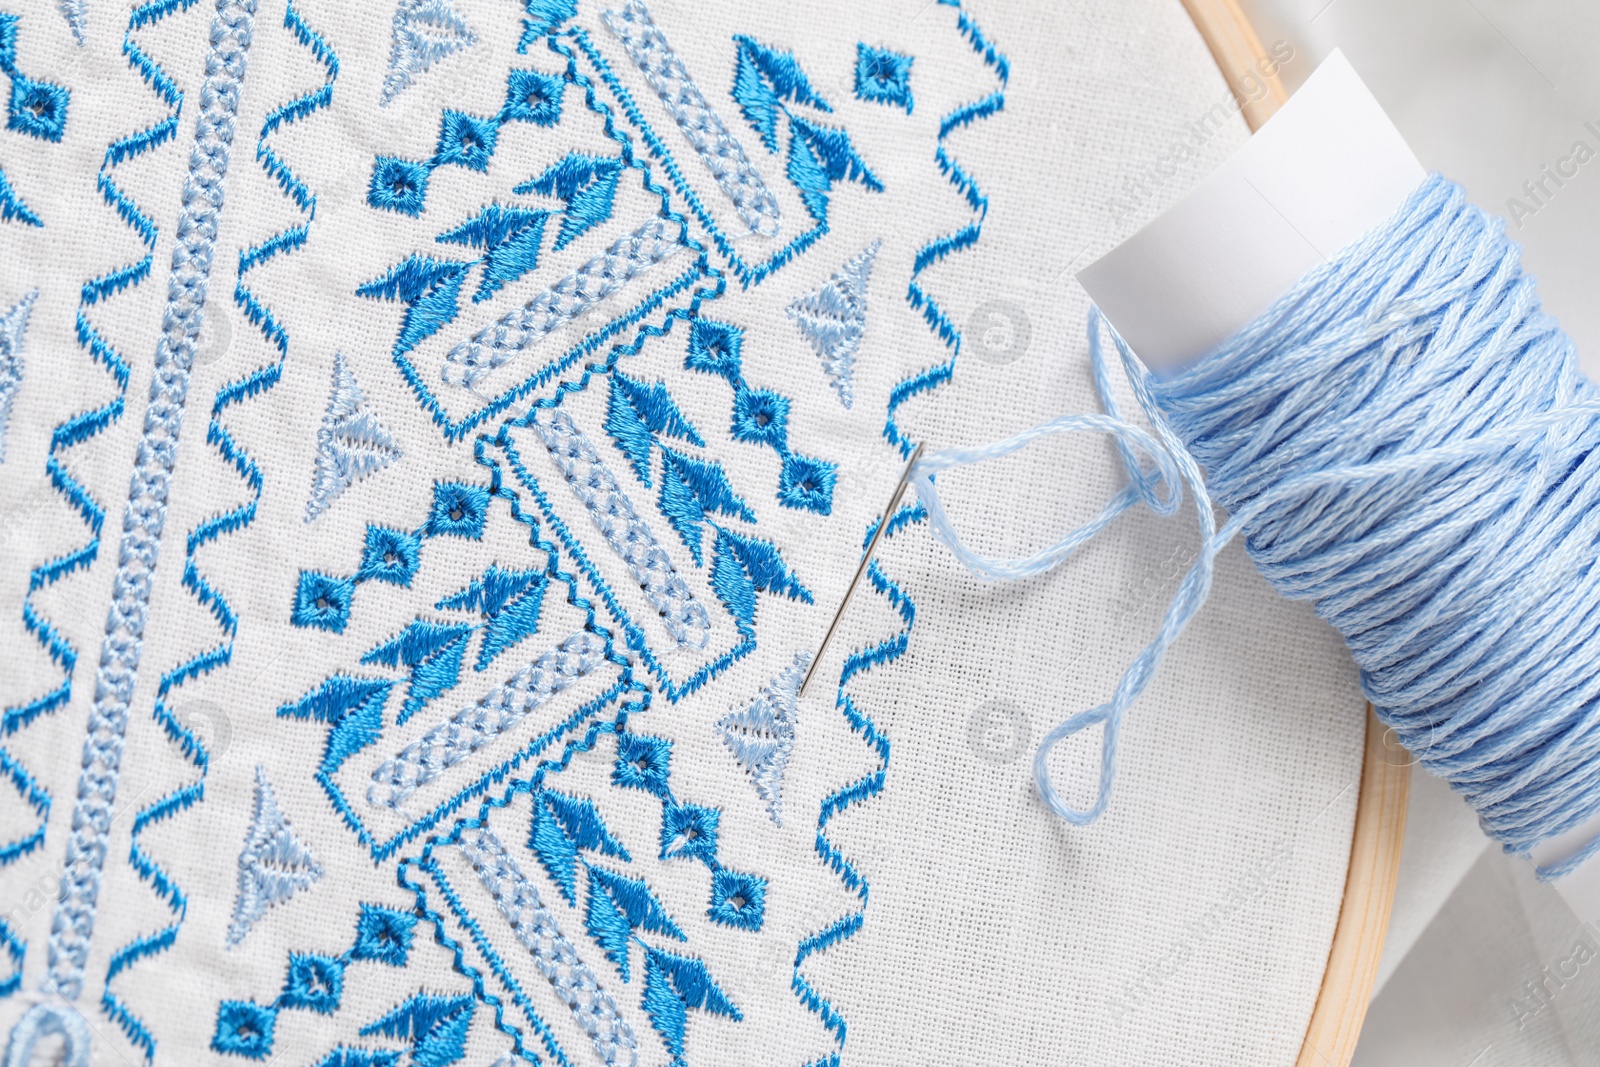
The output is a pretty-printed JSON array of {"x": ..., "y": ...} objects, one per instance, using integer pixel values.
[{"x": 119, "y": 658}]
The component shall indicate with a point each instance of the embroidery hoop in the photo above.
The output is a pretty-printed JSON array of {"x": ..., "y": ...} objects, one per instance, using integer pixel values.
[{"x": 1380, "y": 823}]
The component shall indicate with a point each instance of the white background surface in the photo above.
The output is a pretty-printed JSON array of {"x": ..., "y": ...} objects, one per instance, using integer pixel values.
[{"x": 1487, "y": 92}]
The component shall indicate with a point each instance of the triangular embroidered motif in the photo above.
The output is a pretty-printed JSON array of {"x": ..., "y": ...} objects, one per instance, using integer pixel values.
[
  {"x": 834, "y": 318},
  {"x": 351, "y": 444},
  {"x": 761, "y": 735},
  {"x": 274, "y": 865},
  {"x": 13, "y": 324},
  {"x": 425, "y": 31}
]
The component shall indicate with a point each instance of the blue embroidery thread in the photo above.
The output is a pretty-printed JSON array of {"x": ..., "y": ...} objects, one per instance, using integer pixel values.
[
  {"x": 13, "y": 328},
  {"x": 86, "y": 848},
  {"x": 425, "y": 32},
  {"x": 884, "y": 77},
  {"x": 274, "y": 864},
  {"x": 351, "y": 443},
  {"x": 718, "y": 149},
  {"x": 43, "y": 1020},
  {"x": 940, "y": 247},
  {"x": 834, "y": 319},
  {"x": 761, "y": 734},
  {"x": 35, "y": 108},
  {"x": 556, "y": 957},
  {"x": 761, "y": 417},
  {"x": 264, "y": 378}
]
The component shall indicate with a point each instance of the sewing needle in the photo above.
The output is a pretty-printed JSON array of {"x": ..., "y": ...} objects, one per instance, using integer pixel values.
[{"x": 866, "y": 560}]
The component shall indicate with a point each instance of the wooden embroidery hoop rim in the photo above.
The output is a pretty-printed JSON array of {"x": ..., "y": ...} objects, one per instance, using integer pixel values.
[{"x": 1375, "y": 843}]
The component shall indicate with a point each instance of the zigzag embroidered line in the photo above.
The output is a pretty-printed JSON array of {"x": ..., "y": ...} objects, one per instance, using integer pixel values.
[
  {"x": 553, "y": 953},
  {"x": 701, "y": 269},
  {"x": 209, "y": 530},
  {"x": 73, "y": 925},
  {"x": 748, "y": 275},
  {"x": 856, "y": 792},
  {"x": 627, "y": 534},
  {"x": 469, "y": 729},
  {"x": 517, "y": 331},
  {"x": 80, "y": 428},
  {"x": 85, "y": 425},
  {"x": 721, "y": 152},
  {"x": 940, "y": 247}
]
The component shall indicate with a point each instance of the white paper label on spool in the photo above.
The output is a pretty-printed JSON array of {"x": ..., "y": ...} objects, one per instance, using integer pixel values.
[{"x": 1327, "y": 168}]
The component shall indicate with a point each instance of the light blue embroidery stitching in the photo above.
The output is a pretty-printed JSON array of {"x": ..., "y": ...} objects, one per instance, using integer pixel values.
[
  {"x": 629, "y": 536},
  {"x": 760, "y": 417},
  {"x": 119, "y": 659},
  {"x": 253, "y": 384},
  {"x": 274, "y": 864},
  {"x": 43, "y": 1020},
  {"x": 555, "y": 956},
  {"x": 13, "y": 327},
  {"x": 475, "y": 726},
  {"x": 76, "y": 12},
  {"x": 401, "y": 185},
  {"x": 761, "y": 734},
  {"x": 425, "y": 32},
  {"x": 721, "y": 152},
  {"x": 940, "y": 247},
  {"x": 883, "y": 76},
  {"x": 85, "y": 425},
  {"x": 627, "y": 258},
  {"x": 834, "y": 318},
  {"x": 351, "y": 443}
]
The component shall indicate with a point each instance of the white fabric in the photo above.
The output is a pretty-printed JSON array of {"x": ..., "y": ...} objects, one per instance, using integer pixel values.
[{"x": 1190, "y": 924}]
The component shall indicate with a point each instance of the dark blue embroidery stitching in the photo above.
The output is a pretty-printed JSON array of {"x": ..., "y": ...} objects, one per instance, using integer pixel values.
[
  {"x": 940, "y": 247},
  {"x": 738, "y": 900},
  {"x": 883, "y": 76},
  {"x": 435, "y": 1026},
  {"x": 35, "y": 108},
  {"x": 586, "y": 185},
  {"x": 244, "y": 1029}
]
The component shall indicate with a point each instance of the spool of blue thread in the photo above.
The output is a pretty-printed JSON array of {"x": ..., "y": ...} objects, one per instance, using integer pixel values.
[{"x": 1399, "y": 434}]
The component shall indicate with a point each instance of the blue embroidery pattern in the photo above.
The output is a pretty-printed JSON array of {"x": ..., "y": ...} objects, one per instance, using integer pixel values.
[
  {"x": 761, "y": 734},
  {"x": 35, "y": 108},
  {"x": 834, "y": 319},
  {"x": 721, "y": 152},
  {"x": 119, "y": 659},
  {"x": 86, "y": 425},
  {"x": 557, "y": 958},
  {"x": 261, "y": 380},
  {"x": 13, "y": 327},
  {"x": 761, "y": 417},
  {"x": 883, "y": 76},
  {"x": 43, "y": 1020},
  {"x": 274, "y": 864},
  {"x": 76, "y": 13},
  {"x": 425, "y": 32},
  {"x": 401, "y": 185},
  {"x": 351, "y": 443},
  {"x": 966, "y": 237}
]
